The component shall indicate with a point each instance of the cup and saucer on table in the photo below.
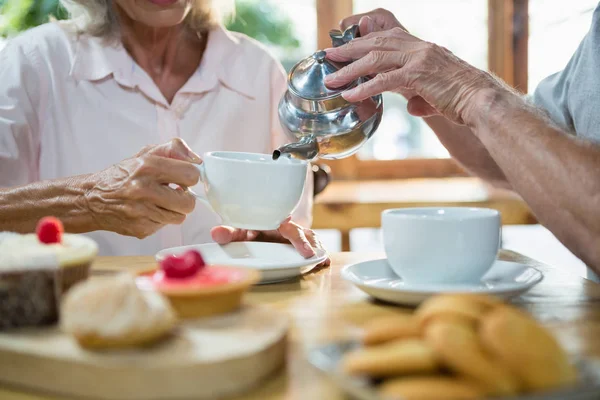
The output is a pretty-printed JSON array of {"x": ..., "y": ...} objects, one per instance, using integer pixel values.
[
  {"x": 252, "y": 191},
  {"x": 435, "y": 250}
]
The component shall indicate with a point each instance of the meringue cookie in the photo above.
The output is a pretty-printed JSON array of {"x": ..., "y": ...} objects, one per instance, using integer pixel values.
[{"x": 113, "y": 312}]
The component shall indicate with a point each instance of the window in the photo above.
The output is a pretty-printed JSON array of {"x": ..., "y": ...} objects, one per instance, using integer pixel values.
[
  {"x": 303, "y": 16},
  {"x": 459, "y": 25},
  {"x": 287, "y": 28},
  {"x": 556, "y": 28}
]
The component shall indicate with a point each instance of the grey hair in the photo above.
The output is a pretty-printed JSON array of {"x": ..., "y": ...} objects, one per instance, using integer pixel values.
[{"x": 98, "y": 17}]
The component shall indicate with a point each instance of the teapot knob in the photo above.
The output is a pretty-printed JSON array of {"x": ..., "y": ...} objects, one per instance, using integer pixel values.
[
  {"x": 320, "y": 56},
  {"x": 339, "y": 38}
]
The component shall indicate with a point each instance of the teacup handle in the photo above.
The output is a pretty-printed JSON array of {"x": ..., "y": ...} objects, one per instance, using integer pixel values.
[{"x": 200, "y": 197}]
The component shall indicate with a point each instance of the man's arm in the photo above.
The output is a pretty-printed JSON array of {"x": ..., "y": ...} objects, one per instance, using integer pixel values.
[
  {"x": 557, "y": 174},
  {"x": 468, "y": 150},
  {"x": 515, "y": 145}
]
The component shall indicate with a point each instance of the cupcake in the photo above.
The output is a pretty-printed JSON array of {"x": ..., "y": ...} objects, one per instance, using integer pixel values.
[
  {"x": 37, "y": 269},
  {"x": 112, "y": 312},
  {"x": 198, "y": 290}
]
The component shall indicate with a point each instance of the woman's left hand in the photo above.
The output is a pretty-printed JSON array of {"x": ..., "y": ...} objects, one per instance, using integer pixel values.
[{"x": 304, "y": 240}]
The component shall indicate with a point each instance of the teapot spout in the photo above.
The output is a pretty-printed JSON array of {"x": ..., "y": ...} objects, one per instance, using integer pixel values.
[{"x": 305, "y": 149}]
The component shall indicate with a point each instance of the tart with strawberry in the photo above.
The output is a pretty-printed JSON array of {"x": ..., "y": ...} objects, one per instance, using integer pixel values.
[
  {"x": 37, "y": 269},
  {"x": 196, "y": 289}
]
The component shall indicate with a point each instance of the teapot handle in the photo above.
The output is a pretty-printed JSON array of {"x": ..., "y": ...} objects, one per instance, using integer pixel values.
[{"x": 339, "y": 38}]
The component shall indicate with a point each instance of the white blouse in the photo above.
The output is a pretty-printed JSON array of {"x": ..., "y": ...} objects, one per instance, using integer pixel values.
[{"x": 71, "y": 105}]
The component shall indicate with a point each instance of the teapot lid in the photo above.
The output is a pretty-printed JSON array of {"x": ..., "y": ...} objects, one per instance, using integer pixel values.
[{"x": 306, "y": 79}]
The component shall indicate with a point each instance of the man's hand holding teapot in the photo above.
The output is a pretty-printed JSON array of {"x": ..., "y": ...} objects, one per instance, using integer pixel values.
[{"x": 433, "y": 79}]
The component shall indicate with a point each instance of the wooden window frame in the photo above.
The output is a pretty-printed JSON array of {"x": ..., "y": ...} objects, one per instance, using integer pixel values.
[{"x": 508, "y": 33}]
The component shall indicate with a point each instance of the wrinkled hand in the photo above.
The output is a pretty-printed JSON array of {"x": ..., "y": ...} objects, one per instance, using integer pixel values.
[
  {"x": 372, "y": 21},
  {"x": 433, "y": 79},
  {"x": 376, "y": 21},
  {"x": 134, "y": 198},
  {"x": 304, "y": 240}
]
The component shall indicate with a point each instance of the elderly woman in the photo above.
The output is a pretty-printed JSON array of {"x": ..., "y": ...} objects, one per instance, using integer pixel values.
[{"x": 82, "y": 101}]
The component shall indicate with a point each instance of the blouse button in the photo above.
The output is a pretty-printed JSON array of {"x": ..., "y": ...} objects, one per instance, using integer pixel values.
[{"x": 179, "y": 110}]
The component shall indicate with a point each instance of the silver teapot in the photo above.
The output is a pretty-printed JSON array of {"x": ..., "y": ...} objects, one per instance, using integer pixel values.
[{"x": 318, "y": 119}]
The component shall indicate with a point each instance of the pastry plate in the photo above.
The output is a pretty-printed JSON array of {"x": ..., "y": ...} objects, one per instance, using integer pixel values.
[
  {"x": 504, "y": 279},
  {"x": 276, "y": 262},
  {"x": 327, "y": 358}
]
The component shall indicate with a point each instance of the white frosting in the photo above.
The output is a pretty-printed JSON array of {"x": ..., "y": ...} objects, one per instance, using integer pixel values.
[
  {"x": 26, "y": 251},
  {"x": 28, "y": 261},
  {"x": 7, "y": 235},
  {"x": 113, "y": 307}
]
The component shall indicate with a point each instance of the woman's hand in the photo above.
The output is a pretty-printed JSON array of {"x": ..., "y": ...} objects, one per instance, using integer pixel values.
[
  {"x": 134, "y": 198},
  {"x": 304, "y": 240},
  {"x": 431, "y": 77}
]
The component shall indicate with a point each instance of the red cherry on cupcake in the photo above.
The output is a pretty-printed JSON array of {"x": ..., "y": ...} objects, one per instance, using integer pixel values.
[
  {"x": 49, "y": 230},
  {"x": 184, "y": 266},
  {"x": 194, "y": 257}
]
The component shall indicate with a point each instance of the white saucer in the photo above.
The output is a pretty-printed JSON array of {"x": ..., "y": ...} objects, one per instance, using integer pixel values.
[
  {"x": 376, "y": 278},
  {"x": 276, "y": 262}
]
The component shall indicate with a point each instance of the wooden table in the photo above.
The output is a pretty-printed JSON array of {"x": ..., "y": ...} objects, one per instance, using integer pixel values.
[
  {"x": 347, "y": 205},
  {"x": 323, "y": 307}
]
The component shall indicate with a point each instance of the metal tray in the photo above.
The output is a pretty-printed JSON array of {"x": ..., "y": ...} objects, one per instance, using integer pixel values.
[{"x": 327, "y": 359}]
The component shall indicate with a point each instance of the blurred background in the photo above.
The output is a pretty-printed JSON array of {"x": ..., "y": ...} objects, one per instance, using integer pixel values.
[
  {"x": 289, "y": 28},
  {"x": 522, "y": 41}
]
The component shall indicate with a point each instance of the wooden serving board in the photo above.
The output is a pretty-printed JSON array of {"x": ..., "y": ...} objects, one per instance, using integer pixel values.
[{"x": 203, "y": 359}]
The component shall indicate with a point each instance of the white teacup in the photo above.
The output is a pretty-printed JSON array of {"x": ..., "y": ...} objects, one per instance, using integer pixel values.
[
  {"x": 441, "y": 244},
  {"x": 250, "y": 190}
]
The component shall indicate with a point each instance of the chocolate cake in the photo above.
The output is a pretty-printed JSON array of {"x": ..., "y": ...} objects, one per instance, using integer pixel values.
[{"x": 35, "y": 275}]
